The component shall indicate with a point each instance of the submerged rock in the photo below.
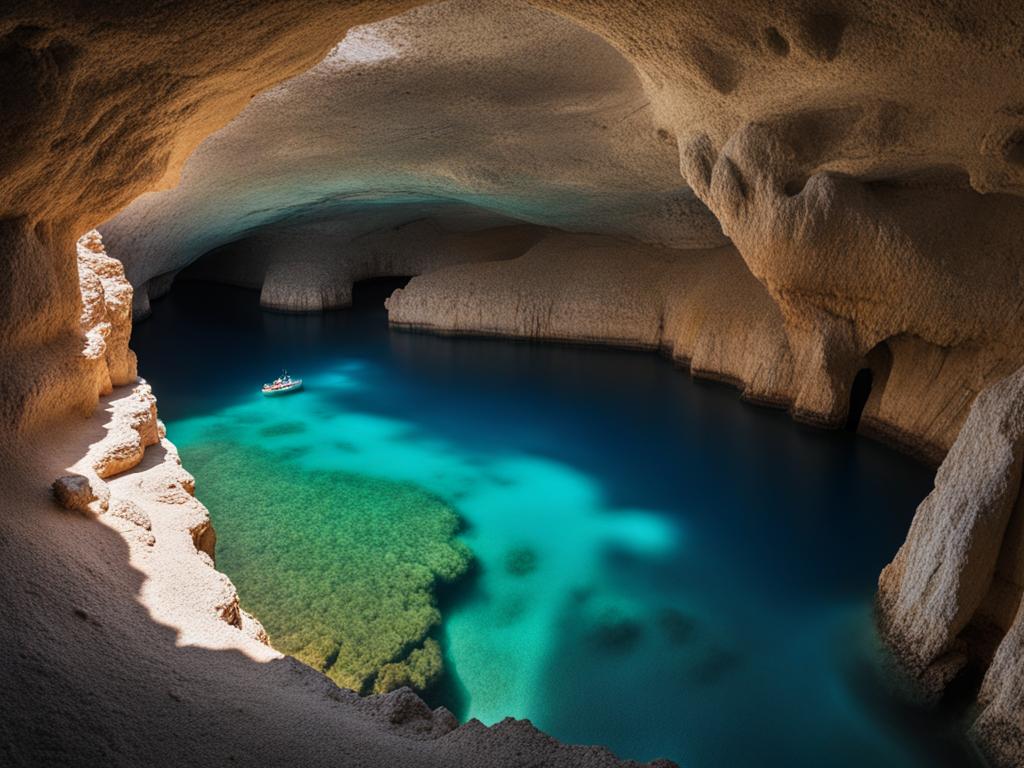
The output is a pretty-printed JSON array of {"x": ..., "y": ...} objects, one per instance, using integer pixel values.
[
  {"x": 283, "y": 428},
  {"x": 678, "y": 627},
  {"x": 616, "y": 631},
  {"x": 521, "y": 561}
]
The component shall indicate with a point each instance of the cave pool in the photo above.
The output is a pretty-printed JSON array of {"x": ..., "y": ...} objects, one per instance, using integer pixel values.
[{"x": 657, "y": 566}]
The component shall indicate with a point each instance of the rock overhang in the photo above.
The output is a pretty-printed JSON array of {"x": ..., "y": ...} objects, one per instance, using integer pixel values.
[{"x": 474, "y": 104}]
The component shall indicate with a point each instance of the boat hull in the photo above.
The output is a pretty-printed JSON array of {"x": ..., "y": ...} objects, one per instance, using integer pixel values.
[{"x": 294, "y": 387}]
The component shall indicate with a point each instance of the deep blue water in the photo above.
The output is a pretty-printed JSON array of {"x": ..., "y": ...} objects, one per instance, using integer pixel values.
[{"x": 700, "y": 570}]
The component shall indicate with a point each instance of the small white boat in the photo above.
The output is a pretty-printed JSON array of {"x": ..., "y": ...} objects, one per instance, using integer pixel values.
[{"x": 282, "y": 385}]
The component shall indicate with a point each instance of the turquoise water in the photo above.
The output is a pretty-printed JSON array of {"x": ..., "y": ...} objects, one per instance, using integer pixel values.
[{"x": 657, "y": 566}]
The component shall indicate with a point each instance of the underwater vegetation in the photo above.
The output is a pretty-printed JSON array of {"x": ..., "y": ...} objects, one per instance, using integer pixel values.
[
  {"x": 340, "y": 567},
  {"x": 418, "y": 670}
]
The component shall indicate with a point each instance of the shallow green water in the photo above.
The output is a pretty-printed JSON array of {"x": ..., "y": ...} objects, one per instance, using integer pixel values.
[
  {"x": 656, "y": 566},
  {"x": 340, "y": 567}
]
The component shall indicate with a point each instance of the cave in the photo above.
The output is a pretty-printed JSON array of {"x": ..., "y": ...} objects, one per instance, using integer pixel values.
[
  {"x": 414, "y": 383},
  {"x": 860, "y": 391}
]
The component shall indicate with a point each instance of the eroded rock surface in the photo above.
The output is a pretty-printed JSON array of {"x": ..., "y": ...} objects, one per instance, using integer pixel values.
[
  {"x": 853, "y": 263},
  {"x": 955, "y": 586},
  {"x": 944, "y": 571}
]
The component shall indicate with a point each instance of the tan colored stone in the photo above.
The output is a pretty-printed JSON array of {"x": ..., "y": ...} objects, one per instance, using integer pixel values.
[
  {"x": 311, "y": 269},
  {"x": 81, "y": 493},
  {"x": 947, "y": 569}
]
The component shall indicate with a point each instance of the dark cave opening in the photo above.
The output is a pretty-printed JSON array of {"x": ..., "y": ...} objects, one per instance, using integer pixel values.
[
  {"x": 859, "y": 394},
  {"x": 374, "y": 291}
]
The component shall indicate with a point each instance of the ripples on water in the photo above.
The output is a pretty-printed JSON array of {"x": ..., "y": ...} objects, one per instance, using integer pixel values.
[{"x": 659, "y": 567}]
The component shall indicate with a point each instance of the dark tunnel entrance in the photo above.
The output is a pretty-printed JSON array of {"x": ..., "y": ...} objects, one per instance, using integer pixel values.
[{"x": 859, "y": 394}]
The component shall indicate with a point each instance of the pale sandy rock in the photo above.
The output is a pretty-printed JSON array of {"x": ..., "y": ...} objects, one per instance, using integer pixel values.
[
  {"x": 112, "y": 311},
  {"x": 853, "y": 264},
  {"x": 81, "y": 493},
  {"x": 999, "y": 726},
  {"x": 412, "y": 249},
  {"x": 701, "y": 307},
  {"x": 942, "y": 574},
  {"x": 204, "y": 537},
  {"x": 133, "y": 427},
  {"x": 106, "y": 321},
  {"x": 252, "y": 628},
  {"x": 955, "y": 588},
  {"x": 130, "y": 511},
  {"x": 585, "y": 288},
  {"x": 921, "y": 392},
  {"x": 153, "y": 289},
  {"x": 69, "y": 363},
  {"x": 225, "y": 601},
  {"x": 721, "y": 322}
]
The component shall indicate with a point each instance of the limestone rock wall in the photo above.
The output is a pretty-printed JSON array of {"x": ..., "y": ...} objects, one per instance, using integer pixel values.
[
  {"x": 852, "y": 263},
  {"x": 705, "y": 309},
  {"x": 953, "y": 592},
  {"x": 313, "y": 267},
  {"x": 106, "y": 320},
  {"x": 45, "y": 380}
]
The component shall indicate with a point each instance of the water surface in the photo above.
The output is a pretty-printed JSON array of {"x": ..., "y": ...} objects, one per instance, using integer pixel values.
[{"x": 658, "y": 566}]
